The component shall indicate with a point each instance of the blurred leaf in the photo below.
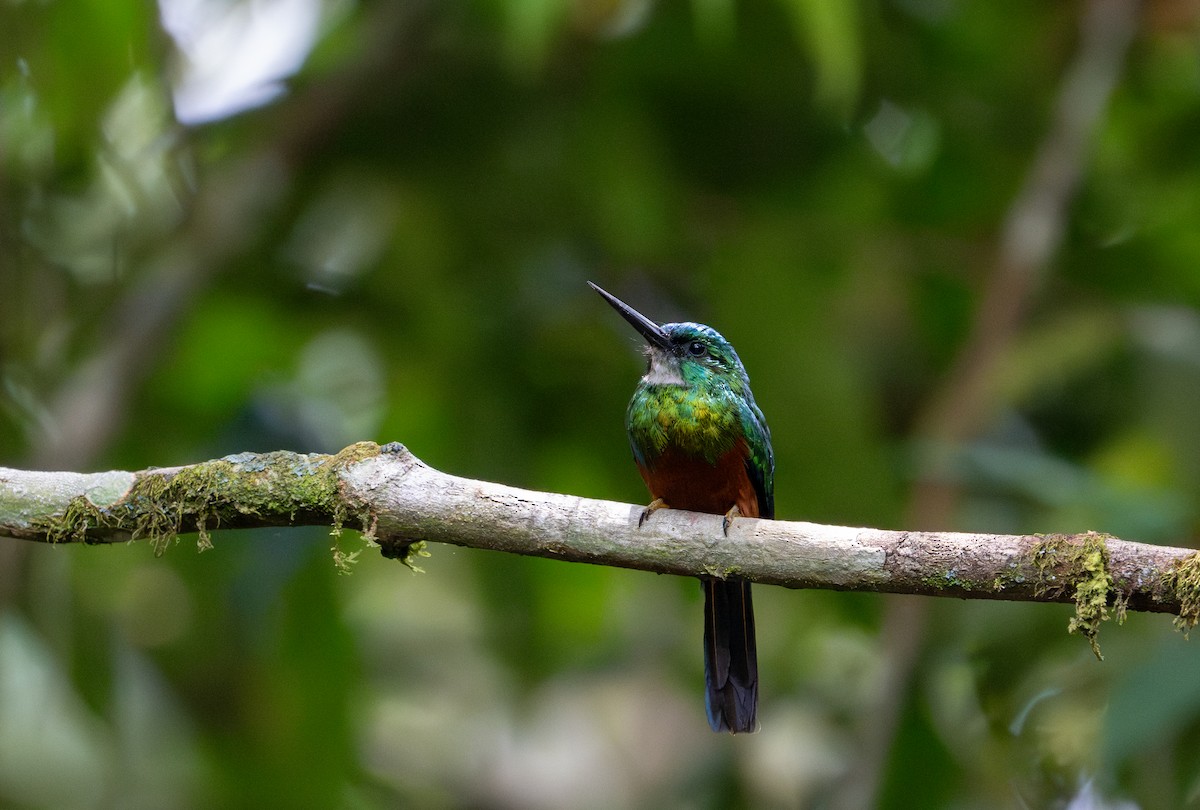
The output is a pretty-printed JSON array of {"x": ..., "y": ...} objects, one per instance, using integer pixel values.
[
  {"x": 830, "y": 31},
  {"x": 1152, "y": 704},
  {"x": 52, "y": 749}
]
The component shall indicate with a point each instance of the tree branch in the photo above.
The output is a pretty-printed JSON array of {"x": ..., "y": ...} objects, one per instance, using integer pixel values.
[{"x": 397, "y": 500}]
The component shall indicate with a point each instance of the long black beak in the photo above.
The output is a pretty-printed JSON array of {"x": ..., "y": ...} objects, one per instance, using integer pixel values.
[{"x": 652, "y": 332}]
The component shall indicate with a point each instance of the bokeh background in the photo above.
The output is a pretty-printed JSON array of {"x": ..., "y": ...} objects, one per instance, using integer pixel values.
[{"x": 957, "y": 245}]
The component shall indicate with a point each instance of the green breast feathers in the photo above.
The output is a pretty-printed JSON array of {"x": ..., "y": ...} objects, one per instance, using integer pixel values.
[{"x": 695, "y": 421}]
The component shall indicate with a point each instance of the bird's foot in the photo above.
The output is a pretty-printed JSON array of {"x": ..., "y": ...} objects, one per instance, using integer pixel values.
[
  {"x": 655, "y": 505},
  {"x": 727, "y": 521}
]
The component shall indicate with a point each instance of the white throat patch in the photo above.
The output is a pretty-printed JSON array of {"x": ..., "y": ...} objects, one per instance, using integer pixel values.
[{"x": 664, "y": 369}]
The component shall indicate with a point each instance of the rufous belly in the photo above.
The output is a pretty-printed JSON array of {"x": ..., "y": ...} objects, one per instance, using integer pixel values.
[{"x": 692, "y": 483}]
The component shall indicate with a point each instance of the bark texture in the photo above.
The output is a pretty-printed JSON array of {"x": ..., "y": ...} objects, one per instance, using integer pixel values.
[{"x": 397, "y": 501}]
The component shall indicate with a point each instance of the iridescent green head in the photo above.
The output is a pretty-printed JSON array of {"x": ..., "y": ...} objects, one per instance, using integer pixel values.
[{"x": 686, "y": 354}]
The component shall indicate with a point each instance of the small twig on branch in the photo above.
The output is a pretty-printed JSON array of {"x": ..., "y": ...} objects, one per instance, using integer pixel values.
[{"x": 397, "y": 500}]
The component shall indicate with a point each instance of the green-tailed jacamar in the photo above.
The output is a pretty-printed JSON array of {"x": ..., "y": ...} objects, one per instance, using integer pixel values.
[{"x": 701, "y": 444}]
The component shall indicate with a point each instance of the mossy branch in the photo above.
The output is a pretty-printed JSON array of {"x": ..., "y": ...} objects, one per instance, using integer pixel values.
[{"x": 396, "y": 500}]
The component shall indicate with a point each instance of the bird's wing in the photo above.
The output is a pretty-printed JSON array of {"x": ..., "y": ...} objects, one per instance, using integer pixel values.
[{"x": 760, "y": 459}]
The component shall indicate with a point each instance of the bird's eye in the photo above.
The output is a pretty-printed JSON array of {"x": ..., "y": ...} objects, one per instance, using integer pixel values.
[{"x": 697, "y": 349}]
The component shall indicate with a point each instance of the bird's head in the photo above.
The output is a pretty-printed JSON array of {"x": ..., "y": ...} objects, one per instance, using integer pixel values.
[{"x": 690, "y": 354}]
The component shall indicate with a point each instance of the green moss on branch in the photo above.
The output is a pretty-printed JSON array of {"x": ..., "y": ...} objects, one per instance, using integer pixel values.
[
  {"x": 1081, "y": 563},
  {"x": 1183, "y": 580},
  {"x": 239, "y": 490}
]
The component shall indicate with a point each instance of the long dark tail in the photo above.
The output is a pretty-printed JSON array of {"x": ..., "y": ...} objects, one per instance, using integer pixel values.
[{"x": 730, "y": 659}]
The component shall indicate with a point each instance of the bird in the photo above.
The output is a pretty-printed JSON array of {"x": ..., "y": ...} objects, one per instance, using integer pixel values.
[{"x": 701, "y": 443}]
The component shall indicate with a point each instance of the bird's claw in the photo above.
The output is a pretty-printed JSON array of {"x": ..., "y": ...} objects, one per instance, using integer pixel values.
[
  {"x": 727, "y": 521},
  {"x": 655, "y": 505}
]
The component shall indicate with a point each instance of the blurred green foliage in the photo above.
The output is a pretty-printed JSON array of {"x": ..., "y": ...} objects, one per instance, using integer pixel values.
[{"x": 394, "y": 247}]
